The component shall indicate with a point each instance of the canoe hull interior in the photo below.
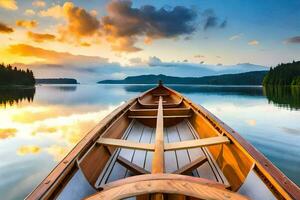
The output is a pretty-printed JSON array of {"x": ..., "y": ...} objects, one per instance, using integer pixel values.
[{"x": 197, "y": 148}]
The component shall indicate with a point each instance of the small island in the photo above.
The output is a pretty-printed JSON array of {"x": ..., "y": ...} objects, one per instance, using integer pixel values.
[
  {"x": 287, "y": 74},
  {"x": 11, "y": 76},
  {"x": 56, "y": 81}
]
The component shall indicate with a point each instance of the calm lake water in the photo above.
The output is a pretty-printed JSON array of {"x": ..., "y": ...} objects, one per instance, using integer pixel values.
[{"x": 38, "y": 127}]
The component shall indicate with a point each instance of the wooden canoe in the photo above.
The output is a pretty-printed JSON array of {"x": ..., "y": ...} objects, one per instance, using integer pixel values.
[{"x": 160, "y": 145}]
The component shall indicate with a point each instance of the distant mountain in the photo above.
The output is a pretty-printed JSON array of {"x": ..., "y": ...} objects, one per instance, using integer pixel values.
[
  {"x": 284, "y": 74},
  {"x": 248, "y": 78},
  {"x": 56, "y": 81}
]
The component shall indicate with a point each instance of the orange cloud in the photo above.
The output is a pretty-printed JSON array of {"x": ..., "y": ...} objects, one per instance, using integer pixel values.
[
  {"x": 28, "y": 149},
  {"x": 7, "y": 133},
  {"x": 39, "y": 3},
  {"x": 9, "y": 4},
  {"x": 79, "y": 22},
  {"x": 54, "y": 11},
  {"x": 29, "y": 12},
  {"x": 253, "y": 43},
  {"x": 39, "y": 37},
  {"x": 52, "y": 57},
  {"x": 27, "y": 23},
  {"x": 5, "y": 29}
]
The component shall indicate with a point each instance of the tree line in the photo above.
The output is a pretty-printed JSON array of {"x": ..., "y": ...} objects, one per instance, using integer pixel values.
[
  {"x": 10, "y": 75},
  {"x": 283, "y": 74}
]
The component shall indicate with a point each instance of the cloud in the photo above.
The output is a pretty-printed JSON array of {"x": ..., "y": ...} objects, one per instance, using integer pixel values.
[
  {"x": 211, "y": 20},
  {"x": 293, "y": 40},
  {"x": 54, "y": 11},
  {"x": 54, "y": 57},
  {"x": 124, "y": 24},
  {"x": 236, "y": 37},
  {"x": 39, "y": 3},
  {"x": 29, "y": 12},
  {"x": 27, "y": 23},
  {"x": 154, "y": 61},
  {"x": 7, "y": 133},
  {"x": 5, "y": 29},
  {"x": 9, "y": 4},
  {"x": 253, "y": 43},
  {"x": 79, "y": 22},
  {"x": 28, "y": 149},
  {"x": 38, "y": 37}
]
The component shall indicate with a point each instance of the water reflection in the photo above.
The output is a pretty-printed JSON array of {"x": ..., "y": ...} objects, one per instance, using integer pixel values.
[
  {"x": 13, "y": 95},
  {"x": 36, "y": 134},
  {"x": 287, "y": 97}
]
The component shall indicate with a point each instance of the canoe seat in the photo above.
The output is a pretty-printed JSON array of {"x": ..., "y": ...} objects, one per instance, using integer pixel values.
[
  {"x": 134, "y": 155},
  {"x": 167, "y": 184}
]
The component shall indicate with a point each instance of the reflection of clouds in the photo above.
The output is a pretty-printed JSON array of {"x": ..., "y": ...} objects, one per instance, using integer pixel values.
[
  {"x": 28, "y": 149},
  {"x": 56, "y": 128},
  {"x": 251, "y": 122},
  {"x": 58, "y": 152},
  {"x": 7, "y": 133}
]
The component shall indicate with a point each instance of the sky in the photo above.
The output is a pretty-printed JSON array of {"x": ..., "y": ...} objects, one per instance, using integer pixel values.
[{"x": 97, "y": 39}]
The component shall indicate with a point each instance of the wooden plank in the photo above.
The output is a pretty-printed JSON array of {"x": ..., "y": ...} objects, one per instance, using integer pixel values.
[
  {"x": 191, "y": 166},
  {"x": 149, "y": 154},
  {"x": 158, "y": 161},
  {"x": 125, "y": 144},
  {"x": 131, "y": 166},
  {"x": 197, "y": 143},
  {"x": 170, "y": 156},
  {"x": 158, "y": 164},
  {"x": 200, "y": 190},
  {"x": 139, "y": 157},
  {"x": 153, "y": 117}
]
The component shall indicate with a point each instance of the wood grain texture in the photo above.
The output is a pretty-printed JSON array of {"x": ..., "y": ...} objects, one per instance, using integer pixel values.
[
  {"x": 197, "y": 143},
  {"x": 191, "y": 166},
  {"x": 125, "y": 144},
  {"x": 242, "y": 155},
  {"x": 131, "y": 166},
  {"x": 158, "y": 165},
  {"x": 192, "y": 189}
]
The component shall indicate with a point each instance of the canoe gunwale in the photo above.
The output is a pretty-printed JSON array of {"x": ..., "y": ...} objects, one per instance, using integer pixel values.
[
  {"x": 49, "y": 184},
  {"x": 272, "y": 176},
  {"x": 279, "y": 184}
]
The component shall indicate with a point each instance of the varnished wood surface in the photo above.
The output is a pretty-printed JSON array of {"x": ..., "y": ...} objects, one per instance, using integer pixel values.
[
  {"x": 197, "y": 143},
  {"x": 246, "y": 152},
  {"x": 125, "y": 144},
  {"x": 137, "y": 170},
  {"x": 158, "y": 165},
  {"x": 168, "y": 184},
  {"x": 188, "y": 168}
]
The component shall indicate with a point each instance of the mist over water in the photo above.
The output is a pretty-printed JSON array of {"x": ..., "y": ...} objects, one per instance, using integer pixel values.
[{"x": 39, "y": 126}]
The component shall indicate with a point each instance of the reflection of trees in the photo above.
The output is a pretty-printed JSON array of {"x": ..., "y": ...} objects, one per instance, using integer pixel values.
[
  {"x": 13, "y": 95},
  {"x": 67, "y": 88},
  {"x": 283, "y": 96}
]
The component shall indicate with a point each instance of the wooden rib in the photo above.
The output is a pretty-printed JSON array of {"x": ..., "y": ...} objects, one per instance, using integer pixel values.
[
  {"x": 191, "y": 166},
  {"x": 153, "y": 117},
  {"x": 192, "y": 189},
  {"x": 131, "y": 166},
  {"x": 197, "y": 143},
  {"x": 125, "y": 144}
]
